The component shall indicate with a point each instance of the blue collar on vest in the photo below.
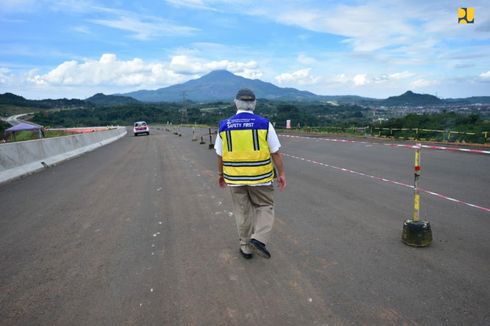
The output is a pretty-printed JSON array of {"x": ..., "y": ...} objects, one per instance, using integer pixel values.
[{"x": 244, "y": 120}]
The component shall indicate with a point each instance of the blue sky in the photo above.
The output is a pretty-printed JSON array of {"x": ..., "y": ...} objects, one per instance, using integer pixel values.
[{"x": 377, "y": 48}]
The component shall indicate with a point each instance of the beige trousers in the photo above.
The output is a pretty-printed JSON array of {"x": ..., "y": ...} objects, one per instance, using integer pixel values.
[{"x": 254, "y": 212}]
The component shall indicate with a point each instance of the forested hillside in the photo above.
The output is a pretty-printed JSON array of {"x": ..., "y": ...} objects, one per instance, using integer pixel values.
[{"x": 311, "y": 114}]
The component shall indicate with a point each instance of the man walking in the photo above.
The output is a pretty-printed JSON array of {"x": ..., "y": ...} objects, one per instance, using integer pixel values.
[{"x": 245, "y": 145}]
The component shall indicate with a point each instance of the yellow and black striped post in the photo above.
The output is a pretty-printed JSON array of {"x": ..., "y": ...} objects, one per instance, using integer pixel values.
[
  {"x": 416, "y": 193},
  {"x": 416, "y": 233}
]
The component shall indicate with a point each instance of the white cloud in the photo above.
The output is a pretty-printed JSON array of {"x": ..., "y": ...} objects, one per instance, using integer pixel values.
[
  {"x": 18, "y": 5},
  {"x": 369, "y": 26},
  {"x": 360, "y": 80},
  {"x": 110, "y": 71},
  {"x": 109, "y": 74},
  {"x": 366, "y": 27},
  {"x": 400, "y": 75},
  {"x": 375, "y": 24},
  {"x": 141, "y": 26},
  {"x": 485, "y": 75},
  {"x": 5, "y": 75},
  {"x": 82, "y": 29},
  {"x": 187, "y": 65},
  {"x": 422, "y": 83},
  {"x": 299, "y": 77},
  {"x": 195, "y": 4},
  {"x": 145, "y": 28},
  {"x": 215, "y": 5},
  {"x": 410, "y": 32},
  {"x": 306, "y": 60},
  {"x": 365, "y": 79},
  {"x": 341, "y": 78},
  {"x": 392, "y": 77}
]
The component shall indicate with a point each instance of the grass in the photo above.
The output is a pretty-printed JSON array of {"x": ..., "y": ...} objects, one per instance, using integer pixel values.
[
  {"x": 7, "y": 110},
  {"x": 29, "y": 135}
]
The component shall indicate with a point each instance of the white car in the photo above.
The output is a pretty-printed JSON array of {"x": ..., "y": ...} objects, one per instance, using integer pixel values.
[{"x": 141, "y": 127}]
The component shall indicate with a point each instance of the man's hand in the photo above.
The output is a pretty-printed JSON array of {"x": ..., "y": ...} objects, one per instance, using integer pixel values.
[
  {"x": 281, "y": 181},
  {"x": 221, "y": 181},
  {"x": 281, "y": 178}
]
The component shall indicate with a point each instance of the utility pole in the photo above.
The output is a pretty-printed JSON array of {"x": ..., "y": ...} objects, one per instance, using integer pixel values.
[{"x": 183, "y": 111}]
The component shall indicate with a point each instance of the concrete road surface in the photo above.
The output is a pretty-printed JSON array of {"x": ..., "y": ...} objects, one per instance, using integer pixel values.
[{"x": 138, "y": 233}]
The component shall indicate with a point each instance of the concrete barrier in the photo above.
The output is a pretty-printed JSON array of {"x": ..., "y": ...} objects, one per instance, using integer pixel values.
[{"x": 22, "y": 158}]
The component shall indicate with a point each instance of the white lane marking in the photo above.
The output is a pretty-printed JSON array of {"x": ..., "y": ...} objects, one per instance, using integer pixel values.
[
  {"x": 467, "y": 150},
  {"x": 151, "y": 290},
  {"x": 485, "y": 209},
  {"x": 159, "y": 189},
  {"x": 160, "y": 222}
]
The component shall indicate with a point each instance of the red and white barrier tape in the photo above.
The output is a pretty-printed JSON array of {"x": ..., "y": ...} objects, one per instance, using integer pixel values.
[
  {"x": 485, "y": 209},
  {"x": 479, "y": 151},
  {"x": 79, "y": 130}
]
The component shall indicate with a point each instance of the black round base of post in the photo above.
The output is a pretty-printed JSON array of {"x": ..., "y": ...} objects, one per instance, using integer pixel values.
[{"x": 417, "y": 233}]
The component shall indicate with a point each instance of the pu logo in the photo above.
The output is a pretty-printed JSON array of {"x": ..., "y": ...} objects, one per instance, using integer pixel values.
[{"x": 466, "y": 15}]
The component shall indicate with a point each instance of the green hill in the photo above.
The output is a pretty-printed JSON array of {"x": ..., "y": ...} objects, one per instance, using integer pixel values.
[
  {"x": 410, "y": 98},
  {"x": 9, "y": 99},
  {"x": 100, "y": 99}
]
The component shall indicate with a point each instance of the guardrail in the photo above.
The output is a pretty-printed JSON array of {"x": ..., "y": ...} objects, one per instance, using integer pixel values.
[
  {"x": 406, "y": 133},
  {"x": 22, "y": 158}
]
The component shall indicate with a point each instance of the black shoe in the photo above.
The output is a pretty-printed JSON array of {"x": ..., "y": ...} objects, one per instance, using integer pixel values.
[
  {"x": 259, "y": 248},
  {"x": 244, "y": 255}
]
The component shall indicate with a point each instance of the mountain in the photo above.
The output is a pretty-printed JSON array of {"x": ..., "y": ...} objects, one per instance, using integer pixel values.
[
  {"x": 100, "y": 99},
  {"x": 478, "y": 99},
  {"x": 469, "y": 100},
  {"x": 9, "y": 98},
  {"x": 220, "y": 85},
  {"x": 352, "y": 99},
  {"x": 15, "y": 100},
  {"x": 410, "y": 98}
]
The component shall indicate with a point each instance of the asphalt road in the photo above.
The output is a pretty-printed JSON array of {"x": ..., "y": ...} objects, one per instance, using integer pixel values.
[
  {"x": 138, "y": 233},
  {"x": 15, "y": 119}
]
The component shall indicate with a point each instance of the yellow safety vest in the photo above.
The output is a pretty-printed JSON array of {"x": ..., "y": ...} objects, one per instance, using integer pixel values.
[{"x": 246, "y": 156}]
